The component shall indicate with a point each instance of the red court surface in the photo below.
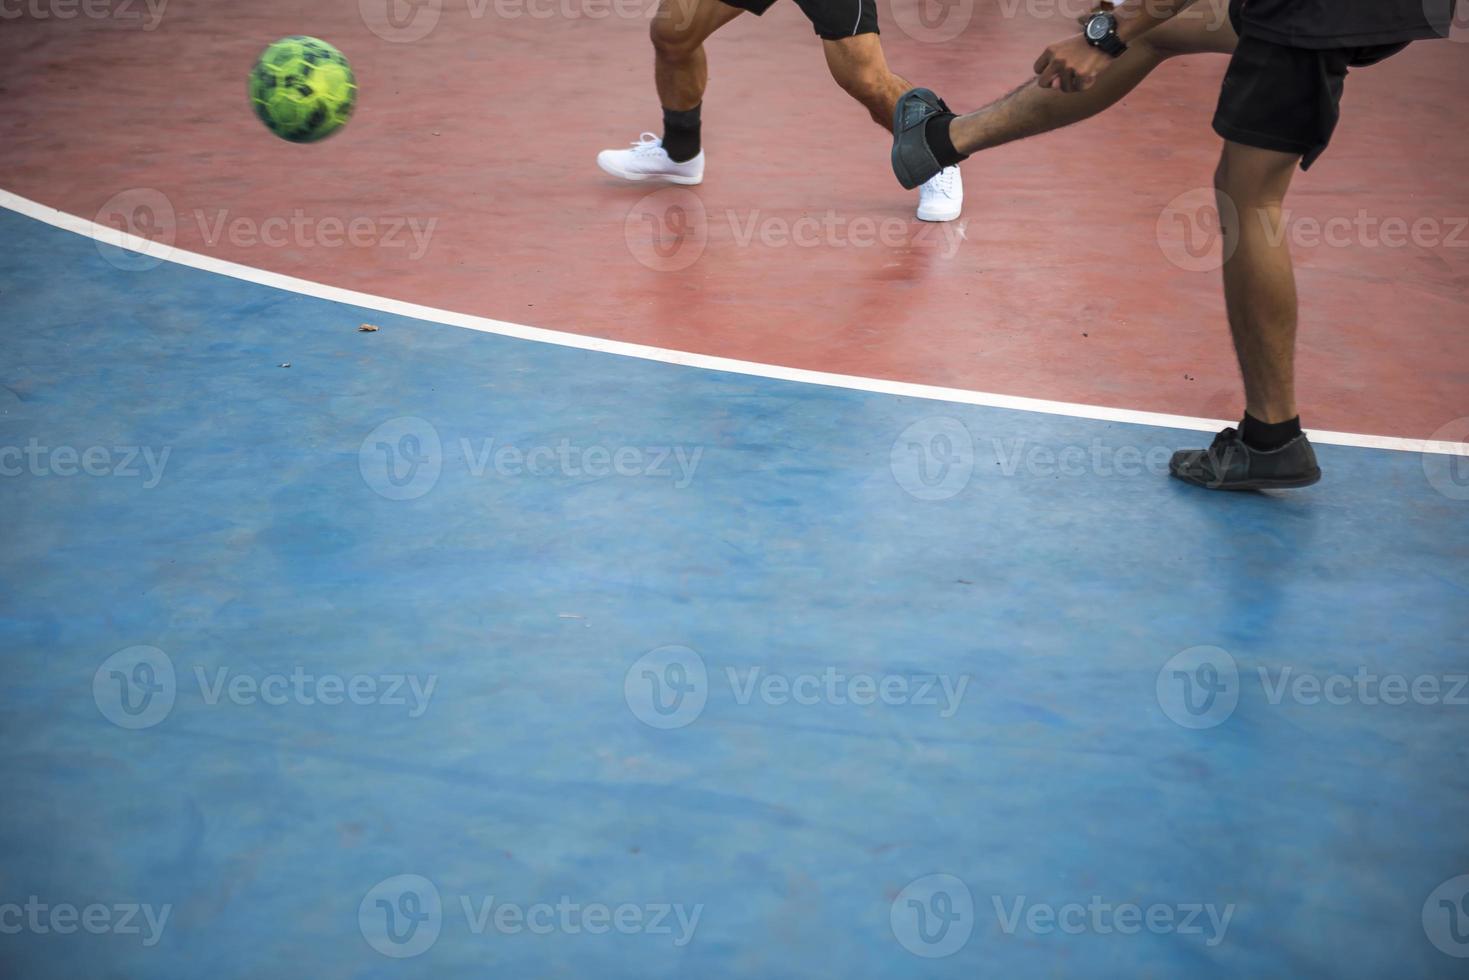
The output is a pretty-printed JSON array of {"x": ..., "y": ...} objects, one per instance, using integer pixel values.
[{"x": 1069, "y": 277}]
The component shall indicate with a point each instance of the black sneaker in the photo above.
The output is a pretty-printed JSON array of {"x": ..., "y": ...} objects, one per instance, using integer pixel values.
[
  {"x": 913, "y": 161},
  {"x": 1229, "y": 464}
]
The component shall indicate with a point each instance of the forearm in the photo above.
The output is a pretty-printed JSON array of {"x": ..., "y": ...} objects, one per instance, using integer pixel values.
[{"x": 1136, "y": 17}]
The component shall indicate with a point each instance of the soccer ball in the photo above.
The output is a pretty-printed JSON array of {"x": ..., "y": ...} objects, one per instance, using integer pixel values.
[{"x": 303, "y": 89}]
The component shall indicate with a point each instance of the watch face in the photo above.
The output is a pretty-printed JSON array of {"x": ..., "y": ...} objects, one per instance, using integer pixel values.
[{"x": 1097, "y": 27}]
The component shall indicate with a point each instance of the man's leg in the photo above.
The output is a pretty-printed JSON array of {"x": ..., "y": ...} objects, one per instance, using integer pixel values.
[
  {"x": 1030, "y": 110},
  {"x": 1268, "y": 450},
  {"x": 678, "y": 32},
  {"x": 1259, "y": 285},
  {"x": 680, "y": 72},
  {"x": 860, "y": 68}
]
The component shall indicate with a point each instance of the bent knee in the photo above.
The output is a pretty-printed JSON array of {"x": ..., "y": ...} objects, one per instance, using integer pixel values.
[
  {"x": 1248, "y": 173},
  {"x": 672, "y": 41}
]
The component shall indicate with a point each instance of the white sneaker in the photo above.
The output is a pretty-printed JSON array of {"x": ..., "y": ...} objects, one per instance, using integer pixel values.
[
  {"x": 941, "y": 197},
  {"x": 647, "y": 160}
]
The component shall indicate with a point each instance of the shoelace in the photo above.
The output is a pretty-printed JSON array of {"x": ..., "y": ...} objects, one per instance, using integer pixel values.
[
  {"x": 943, "y": 182},
  {"x": 647, "y": 142}
]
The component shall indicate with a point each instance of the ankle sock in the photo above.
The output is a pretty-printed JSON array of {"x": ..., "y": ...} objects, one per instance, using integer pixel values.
[
  {"x": 1266, "y": 436},
  {"x": 681, "y": 133},
  {"x": 936, "y": 132}
]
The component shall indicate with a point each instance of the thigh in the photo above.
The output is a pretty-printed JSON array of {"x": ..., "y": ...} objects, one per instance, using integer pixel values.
[
  {"x": 853, "y": 58},
  {"x": 1206, "y": 27},
  {"x": 695, "y": 20}
]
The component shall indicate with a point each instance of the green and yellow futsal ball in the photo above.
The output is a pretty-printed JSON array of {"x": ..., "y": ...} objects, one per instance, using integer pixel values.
[{"x": 303, "y": 89}]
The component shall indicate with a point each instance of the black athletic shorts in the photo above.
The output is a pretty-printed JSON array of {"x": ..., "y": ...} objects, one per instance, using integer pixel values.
[
  {"x": 1285, "y": 98},
  {"x": 833, "y": 19}
]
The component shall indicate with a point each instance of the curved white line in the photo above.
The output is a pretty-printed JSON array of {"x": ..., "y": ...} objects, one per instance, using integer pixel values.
[{"x": 111, "y": 236}]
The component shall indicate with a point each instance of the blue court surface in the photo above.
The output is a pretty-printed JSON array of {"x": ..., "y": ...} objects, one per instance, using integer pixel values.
[{"x": 442, "y": 653}]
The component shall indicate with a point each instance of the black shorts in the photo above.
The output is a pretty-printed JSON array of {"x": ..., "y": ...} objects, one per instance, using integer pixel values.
[
  {"x": 833, "y": 19},
  {"x": 1285, "y": 98}
]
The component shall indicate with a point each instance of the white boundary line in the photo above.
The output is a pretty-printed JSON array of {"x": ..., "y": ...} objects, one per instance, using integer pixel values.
[{"x": 110, "y": 236}]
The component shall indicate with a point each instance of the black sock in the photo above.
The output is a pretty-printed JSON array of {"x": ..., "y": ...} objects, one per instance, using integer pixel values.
[
  {"x": 936, "y": 131},
  {"x": 681, "y": 133},
  {"x": 1266, "y": 436}
]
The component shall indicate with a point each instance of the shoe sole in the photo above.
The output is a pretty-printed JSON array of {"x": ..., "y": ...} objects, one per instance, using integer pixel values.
[
  {"x": 900, "y": 168},
  {"x": 671, "y": 178},
  {"x": 939, "y": 218},
  {"x": 1295, "y": 483}
]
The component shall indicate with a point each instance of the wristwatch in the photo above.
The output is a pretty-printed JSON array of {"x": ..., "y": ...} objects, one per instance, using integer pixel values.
[{"x": 1101, "y": 33}]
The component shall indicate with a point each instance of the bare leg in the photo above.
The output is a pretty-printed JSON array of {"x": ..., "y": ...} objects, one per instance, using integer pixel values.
[
  {"x": 678, "y": 32},
  {"x": 1031, "y": 110},
  {"x": 859, "y": 67},
  {"x": 1259, "y": 284}
]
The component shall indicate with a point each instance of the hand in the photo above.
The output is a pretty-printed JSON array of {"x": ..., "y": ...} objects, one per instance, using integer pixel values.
[{"x": 1072, "y": 65}]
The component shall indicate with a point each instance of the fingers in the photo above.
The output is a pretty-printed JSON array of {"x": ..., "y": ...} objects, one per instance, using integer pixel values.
[
  {"x": 1053, "y": 71},
  {"x": 1059, "y": 76}
]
